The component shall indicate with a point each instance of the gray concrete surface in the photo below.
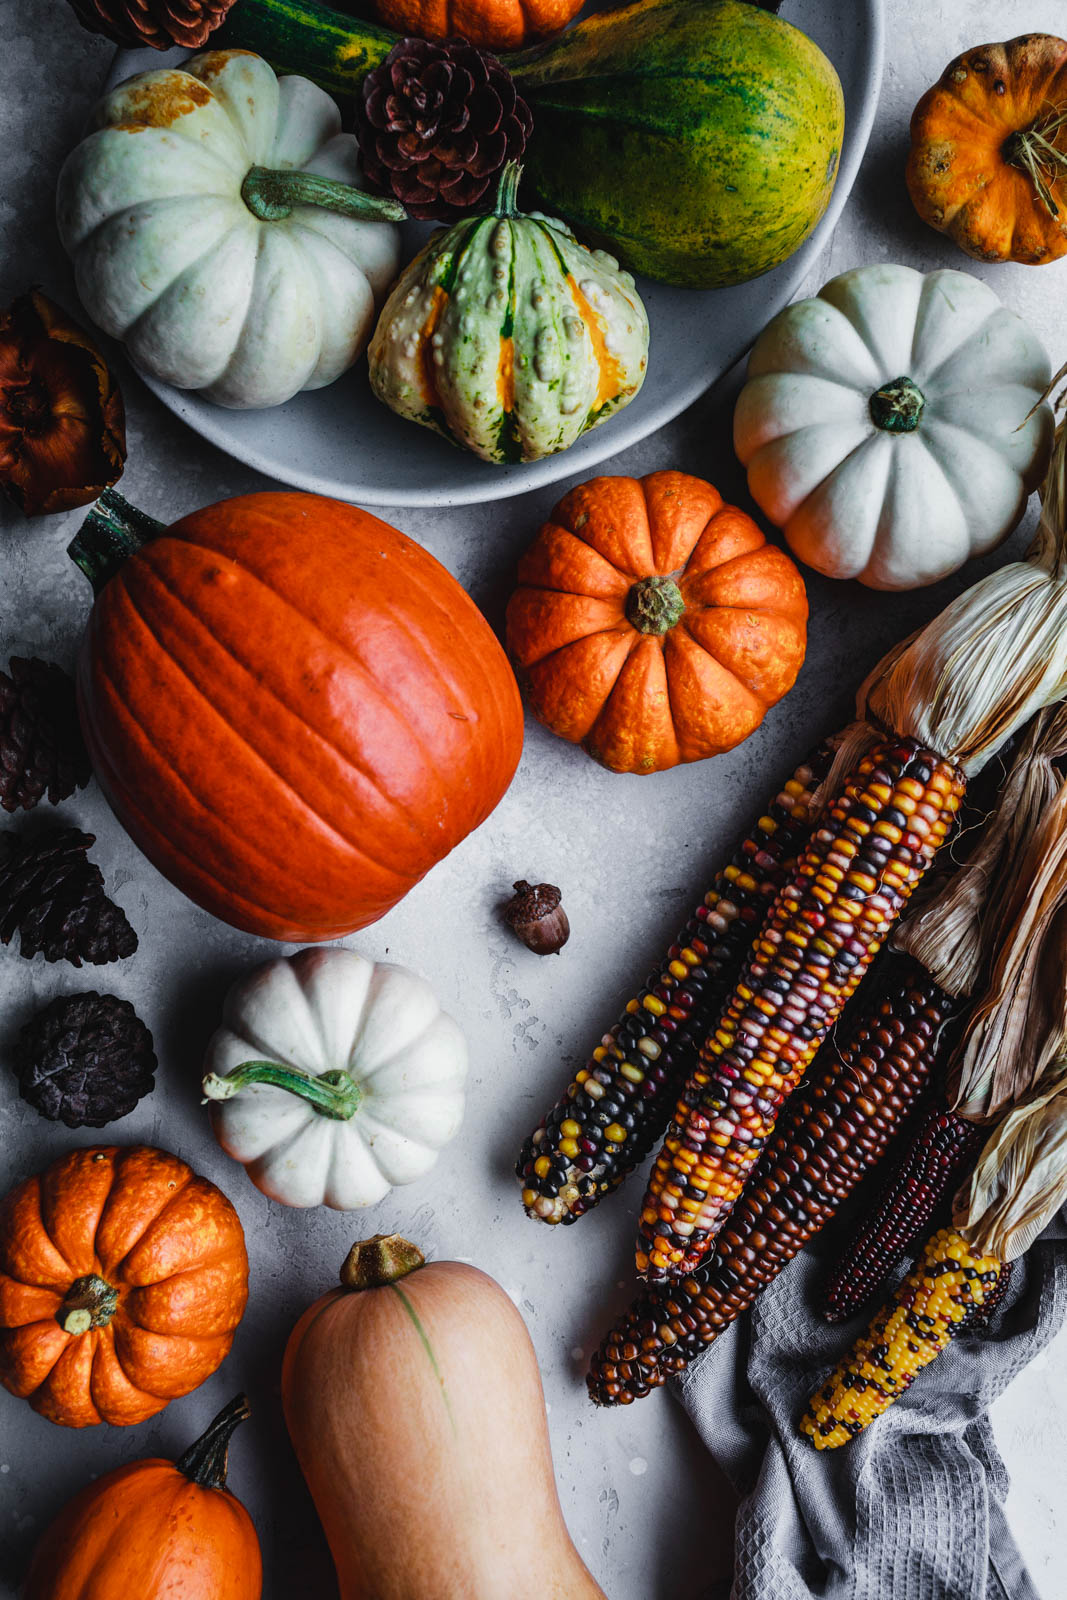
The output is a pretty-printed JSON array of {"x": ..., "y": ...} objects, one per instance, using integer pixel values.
[{"x": 648, "y": 1511}]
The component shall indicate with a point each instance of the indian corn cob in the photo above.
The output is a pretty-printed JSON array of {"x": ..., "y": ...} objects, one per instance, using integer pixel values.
[
  {"x": 836, "y": 1126},
  {"x": 936, "y": 1159},
  {"x": 618, "y": 1105},
  {"x": 937, "y": 1300},
  {"x": 853, "y": 879}
]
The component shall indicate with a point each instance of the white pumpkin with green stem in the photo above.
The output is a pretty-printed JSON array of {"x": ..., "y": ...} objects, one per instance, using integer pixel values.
[
  {"x": 334, "y": 1079},
  {"x": 508, "y": 336},
  {"x": 216, "y": 225},
  {"x": 893, "y": 426}
]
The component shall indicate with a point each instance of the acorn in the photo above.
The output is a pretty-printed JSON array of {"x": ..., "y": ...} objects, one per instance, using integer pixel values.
[{"x": 537, "y": 918}]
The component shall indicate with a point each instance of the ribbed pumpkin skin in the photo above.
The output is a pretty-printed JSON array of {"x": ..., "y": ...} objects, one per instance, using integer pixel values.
[
  {"x": 170, "y": 1243},
  {"x": 492, "y": 24},
  {"x": 641, "y": 702},
  {"x": 295, "y": 711},
  {"x": 959, "y": 178},
  {"x": 417, "y": 1416},
  {"x": 146, "y": 1532},
  {"x": 699, "y": 142}
]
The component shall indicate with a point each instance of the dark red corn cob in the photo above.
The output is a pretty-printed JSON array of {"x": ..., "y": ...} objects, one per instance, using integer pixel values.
[
  {"x": 935, "y": 1161},
  {"x": 620, "y": 1102},
  {"x": 836, "y": 1126},
  {"x": 850, "y": 884}
]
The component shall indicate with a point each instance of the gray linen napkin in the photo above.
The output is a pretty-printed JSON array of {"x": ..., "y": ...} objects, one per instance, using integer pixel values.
[{"x": 913, "y": 1509}]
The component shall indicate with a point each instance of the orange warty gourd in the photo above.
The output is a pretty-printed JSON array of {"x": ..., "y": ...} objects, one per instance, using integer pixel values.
[
  {"x": 988, "y": 162},
  {"x": 414, "y": 1403},
  {"x": 492, "y": 24},
  {"x": 122, "y": 1278},
  {"x": 155, "y": 1530},
  {"x": 292, "y": 708},
  {"x": 654, "y": 624}
]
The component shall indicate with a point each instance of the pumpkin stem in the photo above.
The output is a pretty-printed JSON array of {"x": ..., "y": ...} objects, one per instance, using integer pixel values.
[
  {"x": 507, "y": 191},
  {"x": 333, "y": 1094},
  {"x": 374, "y": 1263},
  {"x": 654, "y": 605},
  {"x": 271, "y": 193},
  {"x": 205, "y": 1461},
  {"x": 897, "y": 406},
  {"x": 90, "y": 1302},
  {"x": 111, "y": 533},
  {"x": 1034, "y": 151}
]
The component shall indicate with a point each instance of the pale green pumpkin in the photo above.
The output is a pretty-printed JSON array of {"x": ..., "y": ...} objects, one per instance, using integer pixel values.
[{"x": 509, "y": 337}]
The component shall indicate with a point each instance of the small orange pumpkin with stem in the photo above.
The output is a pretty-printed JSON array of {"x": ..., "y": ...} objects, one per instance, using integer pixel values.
[
  {"x": 122, "y": 1278},
  {"x": 653, "y": 624},
  {"x": 155, "y": 1530},
  {"x": 491, "y": 24},
  {"x": 988, "y": 161}
]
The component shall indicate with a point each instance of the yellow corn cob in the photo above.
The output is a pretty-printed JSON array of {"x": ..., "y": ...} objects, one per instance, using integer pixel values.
[
  {"x": 938, "y": 1299},
  {"x": 828, "y": 921}
]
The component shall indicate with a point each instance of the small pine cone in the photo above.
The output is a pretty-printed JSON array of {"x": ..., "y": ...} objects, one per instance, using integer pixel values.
[
  {"x": 85, "y": 1060},
  {"x": 53, "y": 895},
  {"x": 41, "y": 749},
  {"x": 160, "y": 23},
  {"x": 436, "y": 123}
]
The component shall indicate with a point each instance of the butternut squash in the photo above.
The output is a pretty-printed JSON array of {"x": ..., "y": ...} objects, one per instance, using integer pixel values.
[{"x": 413, "y": 1399}]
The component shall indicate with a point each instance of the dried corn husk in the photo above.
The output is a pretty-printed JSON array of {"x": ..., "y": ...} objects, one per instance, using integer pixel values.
[
  {"x": 994, "y": 657},
  {"x": 955, "y": 933},
  {"x": 1020, "y": 1181}
]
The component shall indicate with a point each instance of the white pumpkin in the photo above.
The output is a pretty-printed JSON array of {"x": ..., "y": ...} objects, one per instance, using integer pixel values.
[
  {"x": 885, "y": 428},
  {"x": 202, "y": 218},
  {"x": 334, "y": 1079}
]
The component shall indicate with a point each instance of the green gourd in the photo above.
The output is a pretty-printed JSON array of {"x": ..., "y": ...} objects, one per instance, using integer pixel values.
[
  {"x": 698, "y": 140},
  {"x": 509, "y": 337}
]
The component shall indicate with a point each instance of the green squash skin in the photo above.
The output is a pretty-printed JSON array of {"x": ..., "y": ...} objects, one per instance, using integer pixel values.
[{"x": 697, "y": 140}]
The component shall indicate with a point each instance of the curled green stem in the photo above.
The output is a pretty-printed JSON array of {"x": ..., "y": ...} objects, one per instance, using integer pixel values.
[
  {"x": 332, "y": 1094},
  {"x": 205, "y": 1461},
  {"x": 271, "y": 193}
]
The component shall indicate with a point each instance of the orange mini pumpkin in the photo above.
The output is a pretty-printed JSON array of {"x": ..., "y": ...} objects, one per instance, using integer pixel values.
[
  {"x": 122, "y": 1278},
  {"x": 491, "y": 24},
  {"x": 654, "y": 624},
  {"x": 155, "y": 1530},
  {"x": 988, "y": 162}
]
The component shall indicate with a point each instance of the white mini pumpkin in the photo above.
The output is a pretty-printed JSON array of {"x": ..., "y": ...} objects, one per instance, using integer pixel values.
[
  {"x": 204, "y": 216},
  {"x": 334, "y": 1079},
  {"x": 885, "y": 427}
]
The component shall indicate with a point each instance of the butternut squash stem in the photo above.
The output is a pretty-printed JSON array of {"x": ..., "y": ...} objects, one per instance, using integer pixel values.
[
  {"x": 333, "y": 1094},
  {"x": 112, "y": 532},
  {"x": 270, "y": 194},
  {"x": 90, "y": 1302},
  {"x": 380, "y": 1261},
  {"x": 206, "y": 1460}
]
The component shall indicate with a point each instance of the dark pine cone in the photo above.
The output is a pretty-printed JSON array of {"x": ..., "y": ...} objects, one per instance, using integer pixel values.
[
  {"x": 41, "y": 749},
  {"x": 160, "y": 23},
  {"x": 85, "y": 1060},
  {"x": 436, "y": 123},
  {"x": 54, "y": 896}
]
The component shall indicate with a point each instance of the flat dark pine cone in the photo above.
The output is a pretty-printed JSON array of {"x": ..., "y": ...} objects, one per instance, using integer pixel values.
[
  {"x": 53, "y": 896},
  {"x": 85, "y": 1060},
  {"x": 41, "y": 748}
]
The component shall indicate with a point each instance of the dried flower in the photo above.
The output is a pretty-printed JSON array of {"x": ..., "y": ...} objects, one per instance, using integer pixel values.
[
  {"x": 62, "y": 422},
  {"x": 160, "y": 23},
  {"x": 538, "y": 919},
  {"x": 437, "y": 123},
  {"x": 85, "y": 1060},
  {"x": 41, "y": 748}
]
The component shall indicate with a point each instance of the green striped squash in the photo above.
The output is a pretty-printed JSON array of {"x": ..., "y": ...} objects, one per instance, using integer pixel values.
[{"x": 698, "y": 140}]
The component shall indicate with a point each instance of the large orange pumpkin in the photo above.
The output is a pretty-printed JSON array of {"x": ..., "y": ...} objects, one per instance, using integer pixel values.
[
  {"x": 155, "y": 1530},
  {"x": 492, "y": 24},
  {"x": 122, "y": 1278},
  {"x": 988, "y": 162},
  {"x": 654, "y": 624},
  {"x": 293, "y": 709}
]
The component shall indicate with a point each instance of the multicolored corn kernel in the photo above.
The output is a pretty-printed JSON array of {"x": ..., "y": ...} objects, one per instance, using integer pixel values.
[
  {"x": 835, "y": 1128},
  {"x": 937, "y": 1158},
  {"x": 619, "y": 1103},
  {"x": 828, "y": 921},
  {"x": 937, "y": 1300}
]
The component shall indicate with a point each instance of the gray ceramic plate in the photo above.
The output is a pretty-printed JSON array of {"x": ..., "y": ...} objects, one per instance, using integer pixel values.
[{"x": 341, "y": 441}]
